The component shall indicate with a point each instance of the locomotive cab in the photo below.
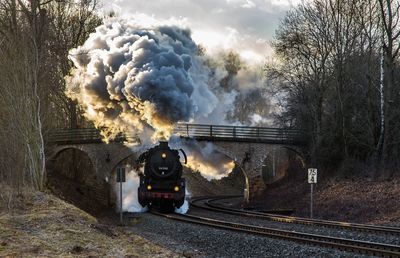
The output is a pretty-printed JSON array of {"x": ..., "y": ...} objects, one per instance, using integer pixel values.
[{"x": 162, "y": 183}]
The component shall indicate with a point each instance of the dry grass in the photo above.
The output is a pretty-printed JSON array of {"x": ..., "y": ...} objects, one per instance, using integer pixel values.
[
  {"x": 40, "y": 225},
  {"x": 354, "y": 200}
]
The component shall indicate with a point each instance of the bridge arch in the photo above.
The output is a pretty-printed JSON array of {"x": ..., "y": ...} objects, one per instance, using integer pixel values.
[
  {"x": 78, "y": 156},
  {"x": 252, "y": 156},
  {"x": 72, "y": 175},
  {"x": 229, "y": 155},
  {"x": 247, "y": 146},
  {"x": 233, "y": 156},
  {"x": 60, "y": 149},
  {"x": 103, "y": 159}
]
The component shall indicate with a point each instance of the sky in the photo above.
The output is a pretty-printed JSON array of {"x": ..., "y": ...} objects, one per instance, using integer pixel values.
[{"x": 246, "y": 26}]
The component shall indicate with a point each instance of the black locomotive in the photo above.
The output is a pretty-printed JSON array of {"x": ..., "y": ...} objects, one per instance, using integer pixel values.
[{"x": 162, "y": 183}]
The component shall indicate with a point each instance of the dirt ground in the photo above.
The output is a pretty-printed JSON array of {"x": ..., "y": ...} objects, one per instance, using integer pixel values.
[
  {"x": 356, "y": 199},
  {"x": 41, "y": 225}
]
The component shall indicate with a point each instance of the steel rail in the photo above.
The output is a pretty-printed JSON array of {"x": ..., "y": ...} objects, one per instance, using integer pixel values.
[
  {"x": 291, "y": 219},
  {"x": 357, "y": 246}
]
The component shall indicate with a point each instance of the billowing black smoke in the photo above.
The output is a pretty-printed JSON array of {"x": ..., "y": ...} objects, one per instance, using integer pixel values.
[{"x": 130, "y": 77}]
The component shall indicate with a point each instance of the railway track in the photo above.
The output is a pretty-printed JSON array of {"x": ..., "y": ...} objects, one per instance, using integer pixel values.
[
  {"x": 209, "y": 204},
  {"x": 356, "y": 246}
]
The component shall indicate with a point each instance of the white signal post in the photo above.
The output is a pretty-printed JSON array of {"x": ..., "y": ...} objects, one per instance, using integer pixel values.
[{"x": 312, "y": 179}]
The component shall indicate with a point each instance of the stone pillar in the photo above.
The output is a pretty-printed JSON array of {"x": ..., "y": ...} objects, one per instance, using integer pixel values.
[{"x": 257, "y": 186}]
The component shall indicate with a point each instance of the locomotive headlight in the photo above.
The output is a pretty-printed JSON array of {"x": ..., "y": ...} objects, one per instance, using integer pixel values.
[
  {"x": 163, "y": 155},
  {"x": 176, "y": 189},
  {"x": 149, "y": 187}
]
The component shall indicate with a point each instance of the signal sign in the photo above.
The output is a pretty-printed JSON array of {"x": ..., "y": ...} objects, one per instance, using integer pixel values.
[
  {"x": 121, "y": 174},
  {"x": 312, "y": 175}
]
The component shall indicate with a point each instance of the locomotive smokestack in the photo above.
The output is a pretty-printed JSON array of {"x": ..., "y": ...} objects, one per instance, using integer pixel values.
[{"x": 164, "y": 144}]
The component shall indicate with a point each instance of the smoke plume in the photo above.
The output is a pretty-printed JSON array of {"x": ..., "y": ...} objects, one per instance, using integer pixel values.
[
  {"x": 144, "y": 78},
  {"x": 204, "y": 158},
  {"x": 134, "y": 77}
]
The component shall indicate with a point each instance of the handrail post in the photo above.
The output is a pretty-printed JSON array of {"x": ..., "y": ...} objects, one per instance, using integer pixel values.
[
  {"x": 211, "y": 131},
  {"x": 187, "y": 130},
  {"x": 258, "y": 132},
  {"x": 234, "y": 132}
]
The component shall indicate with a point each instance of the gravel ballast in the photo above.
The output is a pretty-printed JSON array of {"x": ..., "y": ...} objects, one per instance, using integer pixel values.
[
  {"x": 325, "y": 231},
  {"x": 199, "y": 241}
]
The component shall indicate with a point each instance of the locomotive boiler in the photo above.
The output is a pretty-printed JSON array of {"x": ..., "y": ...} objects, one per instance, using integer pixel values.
[{"x": 162, "y": 184}]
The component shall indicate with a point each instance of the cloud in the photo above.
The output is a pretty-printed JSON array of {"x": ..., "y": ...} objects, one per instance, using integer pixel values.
[{"x": 226, "y": 24}]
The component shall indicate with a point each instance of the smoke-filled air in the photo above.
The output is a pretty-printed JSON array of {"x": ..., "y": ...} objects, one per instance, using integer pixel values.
[
  {"x": 141, "y": 79},
  {"x": 144, "y": 78},
  {"x": 204, "y": 158}
]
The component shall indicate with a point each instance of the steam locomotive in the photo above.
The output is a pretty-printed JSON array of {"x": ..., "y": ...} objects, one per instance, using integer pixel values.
[{"x": 162, "y": 184}]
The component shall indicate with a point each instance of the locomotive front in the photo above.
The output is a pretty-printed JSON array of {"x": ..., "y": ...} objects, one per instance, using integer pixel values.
[{"x": 162, "y": 183}]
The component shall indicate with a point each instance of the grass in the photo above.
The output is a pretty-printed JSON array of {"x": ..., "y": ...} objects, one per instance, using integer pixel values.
[{"x": 41, "y": 225}]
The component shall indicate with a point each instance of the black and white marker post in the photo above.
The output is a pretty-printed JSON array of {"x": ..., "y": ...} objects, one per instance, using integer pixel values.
[
  {"x": 120, "y": 180},
  {"x": 312, "y": 179}
]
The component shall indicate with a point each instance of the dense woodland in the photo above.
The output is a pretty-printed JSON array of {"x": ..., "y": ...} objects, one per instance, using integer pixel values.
[
  {"x": 336, "y": 71},
  {"x": 337, "y": 63},
  {"x": 35, "y": 37}
]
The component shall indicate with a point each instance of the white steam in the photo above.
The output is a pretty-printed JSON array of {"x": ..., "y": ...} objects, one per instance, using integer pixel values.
[
  {"x": 185, "y": 207},
  {"x": 204, "y": 158},
  {"x": 130, "y": 201}
]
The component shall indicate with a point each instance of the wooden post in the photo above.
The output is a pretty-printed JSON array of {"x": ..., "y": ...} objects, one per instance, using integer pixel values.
[{"x": 211, "y": 133}]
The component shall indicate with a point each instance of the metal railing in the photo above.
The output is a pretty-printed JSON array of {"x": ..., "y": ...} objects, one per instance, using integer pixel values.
[
  {"x": 196, "y": 131},
  {"x": 240, "y": 133},
  {"x": 84, "y": 135}
]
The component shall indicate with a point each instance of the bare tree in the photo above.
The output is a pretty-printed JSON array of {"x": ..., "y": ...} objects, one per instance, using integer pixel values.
[
  {"x": 34, "y": 61},
  {"x": 390, "y": 20},
  {"x": 328, "y": 68},
  {"x": 303, "y": 45},
  {"x": 71, "y": 22}
]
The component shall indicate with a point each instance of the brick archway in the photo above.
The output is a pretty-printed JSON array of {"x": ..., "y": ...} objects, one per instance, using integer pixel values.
[{"x": 249, "y": 157}]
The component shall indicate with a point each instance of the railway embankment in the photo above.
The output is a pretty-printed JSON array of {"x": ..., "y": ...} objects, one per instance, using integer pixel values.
[
  {"x": 355, "y": 199},
  {"x": 37, "y": 224}
]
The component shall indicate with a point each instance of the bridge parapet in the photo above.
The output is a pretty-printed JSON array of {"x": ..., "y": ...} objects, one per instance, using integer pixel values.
[
  {"x": 85, "y": 136},
  {"x": 199, "y": 132},
  {"x": 240, "y": 133}
]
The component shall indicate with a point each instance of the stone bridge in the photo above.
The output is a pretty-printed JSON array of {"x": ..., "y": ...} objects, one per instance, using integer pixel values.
[{"x": 262, "y": 154}]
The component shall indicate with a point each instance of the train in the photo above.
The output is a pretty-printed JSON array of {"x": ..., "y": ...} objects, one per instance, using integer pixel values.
[{"x": 161, "y": 184}]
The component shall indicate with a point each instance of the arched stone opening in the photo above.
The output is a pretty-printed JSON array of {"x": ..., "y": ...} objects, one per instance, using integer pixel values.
[
  {"x": 236, "y": 183},
  {"x": 73, "y": 177},
  {"x": 275, "y": 165},
  {"x": 237, "y": 179},
  {"x": 239, "y": 171}
]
